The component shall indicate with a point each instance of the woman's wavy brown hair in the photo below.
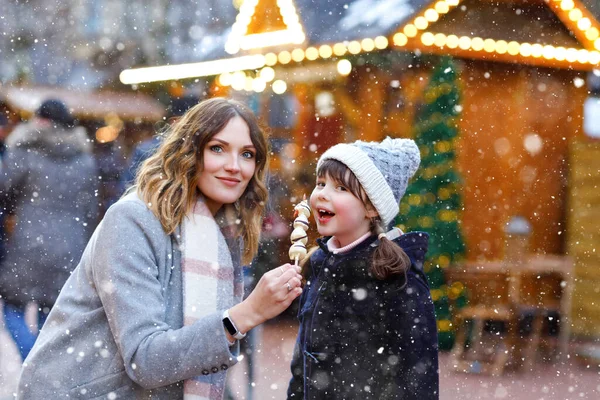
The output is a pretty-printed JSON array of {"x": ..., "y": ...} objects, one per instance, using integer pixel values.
[
  {"x": 167, "y": 180},
  {"x": 388, "y": 258}
]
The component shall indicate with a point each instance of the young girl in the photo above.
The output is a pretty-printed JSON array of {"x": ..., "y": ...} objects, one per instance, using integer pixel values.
[
  {"x": 367, "y": 323},
  {"x": 153, "y": 309}
]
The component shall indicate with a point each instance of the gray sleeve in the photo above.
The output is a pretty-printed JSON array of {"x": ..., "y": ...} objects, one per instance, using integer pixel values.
[
  {"x": 125, "y": 273},
  {"x": 13, "y": 171}
]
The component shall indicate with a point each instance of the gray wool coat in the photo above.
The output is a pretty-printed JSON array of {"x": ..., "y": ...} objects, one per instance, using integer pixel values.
[
  {"x": 117, "y": 327},
  {"x": 48, "y": 177}
]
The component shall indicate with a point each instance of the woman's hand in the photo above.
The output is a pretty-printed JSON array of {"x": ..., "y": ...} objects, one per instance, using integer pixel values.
[{"x": 273, "y": 294}]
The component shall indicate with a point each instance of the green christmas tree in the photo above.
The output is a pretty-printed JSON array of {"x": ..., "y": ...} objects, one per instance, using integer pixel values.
[{"x": 432, "y": 202}]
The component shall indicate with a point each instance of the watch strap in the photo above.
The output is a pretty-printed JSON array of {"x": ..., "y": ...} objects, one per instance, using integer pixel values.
[{"x": 230, "y": 326}]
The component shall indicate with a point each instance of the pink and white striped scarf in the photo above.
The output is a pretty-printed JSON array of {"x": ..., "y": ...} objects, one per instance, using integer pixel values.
[{"x": 212, "y": 280}]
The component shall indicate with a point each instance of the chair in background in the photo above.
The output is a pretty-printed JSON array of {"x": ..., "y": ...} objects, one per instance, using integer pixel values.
[{"x": 486, "y": 327}]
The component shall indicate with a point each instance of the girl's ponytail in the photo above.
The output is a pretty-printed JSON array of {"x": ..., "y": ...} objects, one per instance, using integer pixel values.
[{"x": 389, "y": 259}]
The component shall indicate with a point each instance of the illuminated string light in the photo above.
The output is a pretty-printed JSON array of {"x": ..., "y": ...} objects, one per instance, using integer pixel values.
[{"x": 579, "y": 20}]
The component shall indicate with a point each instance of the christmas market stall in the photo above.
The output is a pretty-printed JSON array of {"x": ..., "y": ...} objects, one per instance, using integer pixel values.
[{"x": 492, "y": 91}]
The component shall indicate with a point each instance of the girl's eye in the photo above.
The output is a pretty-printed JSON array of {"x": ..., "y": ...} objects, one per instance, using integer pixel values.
[
  {"x": 341, "y": 188},
  {"x": 216, "y": 148},
  {"x": 248, "y": 154},
  {"x": 320, "y": 184}
]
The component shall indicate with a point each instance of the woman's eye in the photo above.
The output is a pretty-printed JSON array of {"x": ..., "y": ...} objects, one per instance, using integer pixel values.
[
  {"x": 216, "y": 148},
  {"x": 248, "y": 154}
]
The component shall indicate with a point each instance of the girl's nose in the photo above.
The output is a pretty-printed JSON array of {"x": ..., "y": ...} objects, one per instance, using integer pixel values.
[{"x": 322, "y": 194}]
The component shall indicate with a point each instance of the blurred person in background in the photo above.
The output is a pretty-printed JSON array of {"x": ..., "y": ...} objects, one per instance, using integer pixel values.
[
  {"x": 48, "y": 180},
  {"x": 178, "y": 107},
  {"x": 112, "y": 166},
  {"x": 6, "y": 126}
]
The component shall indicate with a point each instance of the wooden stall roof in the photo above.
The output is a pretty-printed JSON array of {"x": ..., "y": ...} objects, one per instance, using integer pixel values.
[
  {"x": 551, "y": 33},
  {"x": 128, "y": 106}
]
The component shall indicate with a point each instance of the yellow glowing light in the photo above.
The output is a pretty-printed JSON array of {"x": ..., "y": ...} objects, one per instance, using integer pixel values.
[
  {"x": 583, "y": 56},
  {"x": 464, "y": 42},
  {"x": 279, "y": 86},
  {"x": 560, "y": 53},
  {"x": 592, "y": 33},
  {"x": 441, "y": 7},
  {"x": 571, "y": 55},
  {"x": 537, "y": 50},
  {"x": 225, "y": 79},
  {"x": 594, "y": 57},
  {"x": 427, "y": 38},
  {"x": 575, "y": 14},
  {"x": 489, "y": 45},
  {"x": 501, "y": 47},
  {"x": 239, "y": 39},
  {"x": 107, "y": 134},
  {"x": 453, "y": 3},
  {"x": 270, "y": 59},
  {"x": 567, "y": 4},
  {"x": 298, "y": 55},
  {"x": 584, "y": 24},
  {"x": 311, "y": 53},
  {"x": 513, "y": 48},
  {"x": 344, "y": 67},
  {"x": 354, "y": 47},
  {"x": 548, "y": 52},
  {"x": 325, "y": 51},
  {"x": 381, "y": 42},
  {"x": 431, "y": 15},
  {"x": 192, "y": 70},
  {"x": 421, "y": 23},
  {"x": 410, "y": 30},
  {"x": 258, "y": 85},
  {"x": 367, "y": 44},
  {"x": 284, "y": 57},
  {"x": 452, "y": 41},
  {"x": 339, "y": 49},
  {"x": 400, "y": 39},
  {"x": 248, "y": 84},
  {"x": 439, "y": 39},
  {"x": 238, "y": 80},
  {"x": 525, "y": 49},
  {"x": 477, "y": 44},
  {"x": 597, "y": 44},
  {"x": 266, "y": 39},
  {"x": 267, "y": 74}
]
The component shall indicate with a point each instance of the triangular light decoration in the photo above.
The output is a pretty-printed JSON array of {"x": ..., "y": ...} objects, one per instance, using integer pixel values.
[{"x": 287, "y": 28}]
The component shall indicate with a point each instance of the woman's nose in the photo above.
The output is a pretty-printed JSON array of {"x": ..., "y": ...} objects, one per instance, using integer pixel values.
[{"x": 232, "y": 164}]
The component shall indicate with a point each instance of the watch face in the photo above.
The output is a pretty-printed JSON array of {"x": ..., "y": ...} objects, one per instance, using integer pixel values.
[{"x": 229, "y": 326}]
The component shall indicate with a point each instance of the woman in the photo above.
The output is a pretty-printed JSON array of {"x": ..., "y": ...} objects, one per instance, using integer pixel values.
[
  {"x": 48, "y": 178},
  {"x": 152, "y": 310}
]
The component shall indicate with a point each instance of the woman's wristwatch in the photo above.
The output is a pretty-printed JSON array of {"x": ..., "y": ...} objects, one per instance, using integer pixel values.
[{"x": 231, "y": 328}]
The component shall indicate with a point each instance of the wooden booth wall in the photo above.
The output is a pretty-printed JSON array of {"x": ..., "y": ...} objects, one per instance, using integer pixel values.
[
  {"x": 516, "y": 126},
  {"x": 514, "y": 132}
]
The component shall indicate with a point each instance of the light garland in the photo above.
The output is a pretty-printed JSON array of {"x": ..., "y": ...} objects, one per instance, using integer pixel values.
[
  {"x": 573, "y": 15},
  {"x": 570, "y": 12}
]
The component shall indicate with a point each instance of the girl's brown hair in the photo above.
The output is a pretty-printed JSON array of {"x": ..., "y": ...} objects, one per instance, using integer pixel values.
[
  {"x": 167, "y": 180},
  {"x": 388, "y": 259}
]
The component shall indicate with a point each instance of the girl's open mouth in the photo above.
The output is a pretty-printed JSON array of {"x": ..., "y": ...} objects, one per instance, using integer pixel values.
[{"x": 324, "y": 215}]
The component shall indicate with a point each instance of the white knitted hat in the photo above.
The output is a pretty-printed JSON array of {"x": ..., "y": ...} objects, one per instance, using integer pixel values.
[{"x": 382, "y": 168}]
